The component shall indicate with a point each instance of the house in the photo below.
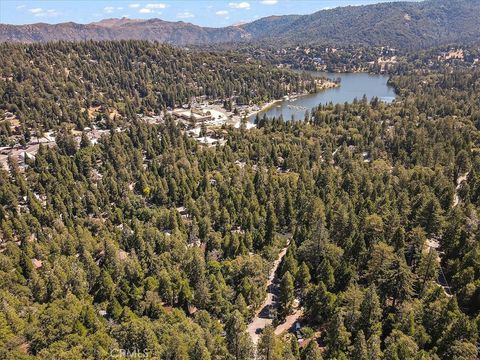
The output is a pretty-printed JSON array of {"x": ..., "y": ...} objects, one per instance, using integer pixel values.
[
  {"x": 183, "y": 212},
  {"x": 191, "y": 115},
  {"x": 37, "y": 263}
]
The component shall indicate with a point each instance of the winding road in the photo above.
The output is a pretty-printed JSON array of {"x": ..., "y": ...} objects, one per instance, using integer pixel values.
[
  {"x": 435, "y": 244},
  {"x": 262, "y": 317}
]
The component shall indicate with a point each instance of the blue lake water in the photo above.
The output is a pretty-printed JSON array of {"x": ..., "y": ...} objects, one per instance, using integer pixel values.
[{"x": 353, "y": 85}]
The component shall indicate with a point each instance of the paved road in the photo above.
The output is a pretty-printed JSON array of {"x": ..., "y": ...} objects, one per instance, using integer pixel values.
[{"x": 262, "y": 317}]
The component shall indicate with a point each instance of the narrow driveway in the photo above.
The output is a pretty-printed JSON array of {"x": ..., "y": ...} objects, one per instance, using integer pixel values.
[
  {"x": 262, "y": 317},
  {"x": 289, "y": 322}
]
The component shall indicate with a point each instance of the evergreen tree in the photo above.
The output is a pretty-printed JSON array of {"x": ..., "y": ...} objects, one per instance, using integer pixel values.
[
  {"x": 401, "y": 279},
  {"x": 338, "y": 337},
  {"x": 431, "y": 217},
  {"x": 360, "y": 350},
  {"x": 241, "y": 305},
  {"x": 319, "y": 303},
  {"x": 371, "y": 313},
  {"x": 286, "y": 295},
  {"x": 303, "y": 276},
  {"x": 326, "y": 274},
  {"x": 400, "y": 346},
  {"x": 268, "y": 347},
  {"x": 239, "y": 343},
  {"x": 311, "y": 352},
  {"x": 374, "y": 347},
  {"x": 270, "y": 224}
]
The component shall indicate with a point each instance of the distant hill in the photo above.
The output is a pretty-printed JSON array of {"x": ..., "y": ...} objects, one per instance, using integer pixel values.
[
  {"x": 178, "y": 33},
  {"x": 397, "y": 24}
]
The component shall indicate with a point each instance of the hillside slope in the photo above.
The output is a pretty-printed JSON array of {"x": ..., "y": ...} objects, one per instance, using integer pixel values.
[
  {"x": 398, "y": 24},
  {"x": 178, "y": 33}
]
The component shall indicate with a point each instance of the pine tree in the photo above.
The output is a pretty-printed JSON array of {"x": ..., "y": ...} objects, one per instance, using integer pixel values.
[
  {"x": 267, "y": 348},
  {"x": 373, "y": 229},
  {"x": 326, "y": 273},
  {"x": 270, "y": 224},
  {"x": 378, "y": 267},
  {"x": 312, "y": 352},
  {"x": 431, "y": 217},
  {"x": 294, "y": 347},
  {"x": 303, "y": 276},
  {"x": 371, "y": 313},
  {"x": 374, "y": 347},
  {"x": 462, "y": 330},
  {"x": 288, "y": 212},
  {"x": 399, "y": 346},
  {"x": 462, "y": 163},
  {"x": 239, "y": 343},
  {"x": 85, "y": 141},
  {"x": 338, "y": 337},
  {"x": 401, "y": 280},
  {"x": 241, "y": 305},
  {"x": 286, "y": 295},
  {"x": 26, "y": 265},
  {"x": 289, "y": 264},
  {"x": 319, "y": 303},
  {"x": 398, "y": 239},
  {"x": 199, "y": 352},
  {"x": 360, "y": 350}
]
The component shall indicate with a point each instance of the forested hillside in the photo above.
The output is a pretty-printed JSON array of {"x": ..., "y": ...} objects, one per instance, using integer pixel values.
[
  {"x": 394, "y": 24},
  {"x": 45, "y": 85},
  {"x": 150, "y": 242}
]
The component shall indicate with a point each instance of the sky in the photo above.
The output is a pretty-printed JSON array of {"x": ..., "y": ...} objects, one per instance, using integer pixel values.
[{"x": 212, "y": 13}]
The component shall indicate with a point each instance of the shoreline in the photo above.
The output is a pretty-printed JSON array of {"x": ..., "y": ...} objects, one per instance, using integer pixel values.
[
  {"x": 325, "y": 85},
  {"x": 264, "y": 107}
]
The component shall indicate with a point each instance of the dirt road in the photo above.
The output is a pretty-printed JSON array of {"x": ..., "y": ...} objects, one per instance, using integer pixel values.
[
  {"x": 435, "y": 244},
  {"x": 262, "y": 317},
  {"x": 289, "y": 322}
]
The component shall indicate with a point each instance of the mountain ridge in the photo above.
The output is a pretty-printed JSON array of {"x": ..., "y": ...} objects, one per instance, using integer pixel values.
[{"x": 397, "y": 24}]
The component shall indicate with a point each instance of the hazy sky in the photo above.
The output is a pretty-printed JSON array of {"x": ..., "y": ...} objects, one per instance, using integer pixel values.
[{"x": 214, "y": 13}]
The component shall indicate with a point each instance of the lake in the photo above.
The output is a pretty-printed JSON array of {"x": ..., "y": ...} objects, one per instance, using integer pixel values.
[{"x": 353, "y": 85}]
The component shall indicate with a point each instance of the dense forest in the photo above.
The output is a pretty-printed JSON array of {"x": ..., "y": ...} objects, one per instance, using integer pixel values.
[
  {"x": 356, "y": 58},
  {"x": 399, "y": 24},
  {"x": 150, "y": 242},
  {"x": 44, "y": 85}
]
